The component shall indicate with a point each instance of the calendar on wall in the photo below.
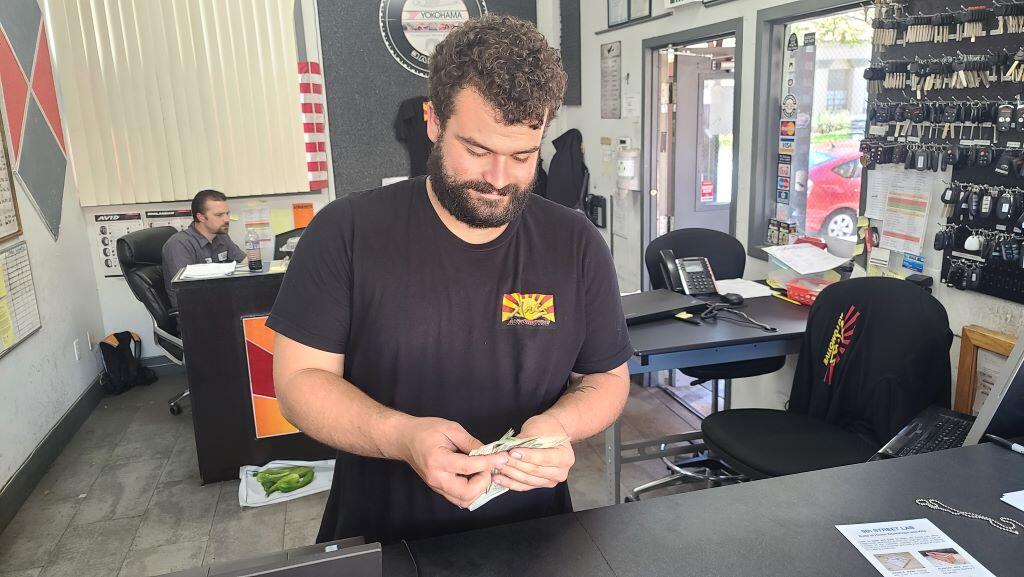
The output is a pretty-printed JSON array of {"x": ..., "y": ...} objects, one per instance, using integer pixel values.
[{"x": 19, "y": 310}]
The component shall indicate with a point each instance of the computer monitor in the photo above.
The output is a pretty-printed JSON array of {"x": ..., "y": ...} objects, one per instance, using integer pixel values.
[{"x": 1002, "y": 414}]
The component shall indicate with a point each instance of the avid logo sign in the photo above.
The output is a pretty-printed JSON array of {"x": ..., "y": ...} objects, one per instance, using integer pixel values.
[
  {"x": 412, "y": 28},
  {"x": 115, "y": 217}
]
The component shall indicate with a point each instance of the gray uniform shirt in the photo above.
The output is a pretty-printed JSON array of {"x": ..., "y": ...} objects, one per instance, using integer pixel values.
[{"x": 191, "y": 247}]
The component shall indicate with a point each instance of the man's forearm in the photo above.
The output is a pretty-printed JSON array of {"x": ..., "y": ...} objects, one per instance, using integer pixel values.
[
  {"x": 333, "y": 411},
  {"x": 591, "y": 403}
]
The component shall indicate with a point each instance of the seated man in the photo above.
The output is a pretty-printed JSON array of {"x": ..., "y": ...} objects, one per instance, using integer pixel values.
[{"x": 205, "y": 240}]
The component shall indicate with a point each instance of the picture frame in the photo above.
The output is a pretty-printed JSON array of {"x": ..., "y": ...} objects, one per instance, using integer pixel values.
[
  {"x": 10, "y": 195},
  {"x": 973, "y": 340}
]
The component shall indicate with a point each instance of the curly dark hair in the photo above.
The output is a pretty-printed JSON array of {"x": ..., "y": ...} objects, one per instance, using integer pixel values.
[{"x": 505, "y": 59}]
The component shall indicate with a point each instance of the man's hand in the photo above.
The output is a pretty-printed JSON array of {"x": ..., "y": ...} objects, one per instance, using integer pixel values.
[
  {"x": 436, "y": 449},
  {"x": 538, "y": 468}
]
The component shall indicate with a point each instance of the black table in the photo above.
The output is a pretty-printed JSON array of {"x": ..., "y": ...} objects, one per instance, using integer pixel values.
[
  {"x": 674, "y": 344},
  {"x": 217, "y": 363},
  {"x": 782, "y": 526}
]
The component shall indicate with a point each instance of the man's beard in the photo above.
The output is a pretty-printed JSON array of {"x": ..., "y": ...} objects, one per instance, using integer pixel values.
[
  {"x": 457, "y": 198},
  {"x": 223, "y": 229}
]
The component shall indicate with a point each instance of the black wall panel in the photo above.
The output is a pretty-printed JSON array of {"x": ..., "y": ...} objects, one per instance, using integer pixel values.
[
  {"x": 571, "y": 55},
  {"x": 364, "y": 87}
]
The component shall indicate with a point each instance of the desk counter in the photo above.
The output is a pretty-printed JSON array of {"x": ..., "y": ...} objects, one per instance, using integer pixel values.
[
  {"x": 228, "y": 359},
  {"x": 783, "y": 526}
]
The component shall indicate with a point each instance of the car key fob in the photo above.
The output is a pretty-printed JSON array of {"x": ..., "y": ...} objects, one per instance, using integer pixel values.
[
  {"x": 1004, "y": 117},
  {"x": 1004, "y": 206}
]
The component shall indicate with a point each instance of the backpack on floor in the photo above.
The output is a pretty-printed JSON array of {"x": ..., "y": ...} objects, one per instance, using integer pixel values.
[{"x": 122, "y": 363}]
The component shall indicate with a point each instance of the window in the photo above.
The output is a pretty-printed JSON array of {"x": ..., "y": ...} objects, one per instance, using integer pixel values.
[
  {"x": 812, "y": 98},
  {"x": 831, "y": 50},
  {"x": 849, "y": 169}
]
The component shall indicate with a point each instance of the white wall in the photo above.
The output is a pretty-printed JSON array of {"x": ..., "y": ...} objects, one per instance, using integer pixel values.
[
  {"x": 771, "y": 390},
  {"x": 121, "y": 310},
  {"x": 40, "y": 378},
  {"x": 588, "y": 119}
]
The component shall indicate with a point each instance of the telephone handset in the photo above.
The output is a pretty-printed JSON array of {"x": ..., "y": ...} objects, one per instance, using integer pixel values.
[{"x": 690, "y": 275}]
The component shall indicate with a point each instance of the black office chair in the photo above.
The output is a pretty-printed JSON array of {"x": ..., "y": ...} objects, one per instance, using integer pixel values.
[
  {"x": 140, "y": 254},
  {"x": 281, "y": 239},
  {"x": 875, "y": 354},
  {"x": 727, "y": 258}
]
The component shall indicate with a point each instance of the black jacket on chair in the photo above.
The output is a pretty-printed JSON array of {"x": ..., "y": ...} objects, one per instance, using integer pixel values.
[{"x": 875, "y": 354}]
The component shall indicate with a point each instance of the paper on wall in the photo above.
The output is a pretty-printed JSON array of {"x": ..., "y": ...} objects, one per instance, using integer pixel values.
[
  {"x": 906, "y": 210},
  {"x": 914, "y": 547},
  {"x": 302, "y": 214},
  {"x": 281, "y": 220},
  {"x": 989, "y": 366},
  {"x": 879, "y": 257},
  {"x": 880, "y": 181}
]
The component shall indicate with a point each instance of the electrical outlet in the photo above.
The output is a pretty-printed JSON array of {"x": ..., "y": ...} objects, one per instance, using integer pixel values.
[{"x": 78, "y": 354}]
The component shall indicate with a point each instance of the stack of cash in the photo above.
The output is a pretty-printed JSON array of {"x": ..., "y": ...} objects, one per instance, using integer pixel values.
[{"x": 506, "y": 443}]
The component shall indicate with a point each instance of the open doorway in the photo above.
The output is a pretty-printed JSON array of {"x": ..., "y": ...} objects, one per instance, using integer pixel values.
[
  {"x": 691, "y": 141},
  {"x": 693, "y": 124}
]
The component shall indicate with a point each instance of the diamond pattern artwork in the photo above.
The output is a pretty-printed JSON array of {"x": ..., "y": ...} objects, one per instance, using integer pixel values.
[
  {"x": 42, "y": 168},
  {"x": 20, "y": 20},
  {"x": 15, "y": 90},
  {"x": 45, "y": 90},
  {"x": 30, "y": 106}
]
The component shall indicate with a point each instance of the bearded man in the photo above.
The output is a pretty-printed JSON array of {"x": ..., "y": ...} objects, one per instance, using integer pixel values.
[{"x": 417, "y": 319}]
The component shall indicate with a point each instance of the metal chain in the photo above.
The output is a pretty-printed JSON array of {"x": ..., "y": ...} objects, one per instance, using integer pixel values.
[{"x": 1003, "y": 523}]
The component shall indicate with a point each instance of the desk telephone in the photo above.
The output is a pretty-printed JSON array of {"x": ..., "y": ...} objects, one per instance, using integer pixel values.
[{"x": 690, "y": 275}]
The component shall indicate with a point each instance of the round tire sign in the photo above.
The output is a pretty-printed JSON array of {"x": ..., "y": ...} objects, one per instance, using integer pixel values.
[{"x": 412, "y": 28}]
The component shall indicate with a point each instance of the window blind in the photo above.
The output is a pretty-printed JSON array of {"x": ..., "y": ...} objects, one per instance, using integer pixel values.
[{"x": 166, "y": 98}]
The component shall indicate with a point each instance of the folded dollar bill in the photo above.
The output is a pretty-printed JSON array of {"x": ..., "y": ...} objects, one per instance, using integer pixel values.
[{"x": 507, "y": 442}]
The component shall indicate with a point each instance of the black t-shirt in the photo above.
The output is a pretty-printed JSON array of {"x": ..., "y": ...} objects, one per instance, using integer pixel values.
[
  {"x": 484, "y": 335},
  {"x": 411, "y": 130}
]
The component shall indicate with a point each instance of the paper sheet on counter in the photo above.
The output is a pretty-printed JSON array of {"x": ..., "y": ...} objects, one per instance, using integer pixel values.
[
  {"x": 805, "y": 258},
  {"x": 914, "y": 547},
  {"x": 745, "y": 288},
  {"x": 1015, "y": 499},
  {"x": 208, "y": 270}
]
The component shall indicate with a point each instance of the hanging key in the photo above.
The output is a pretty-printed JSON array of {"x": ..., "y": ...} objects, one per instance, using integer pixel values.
[
  {"x": 973, "y": 22},
  {"x": 919, "y": 29},
  {"x": 941, "y": 24}
]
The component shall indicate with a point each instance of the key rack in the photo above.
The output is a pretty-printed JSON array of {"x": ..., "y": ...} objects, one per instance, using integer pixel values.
[{"x": 945, "y": 88}]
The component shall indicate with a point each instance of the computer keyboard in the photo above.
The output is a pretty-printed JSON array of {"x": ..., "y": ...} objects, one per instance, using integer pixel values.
[{"x": 946, "y": 433}]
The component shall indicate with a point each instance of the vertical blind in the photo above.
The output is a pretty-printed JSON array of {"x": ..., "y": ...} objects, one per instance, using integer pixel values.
[{"x": 165, "y": 98}]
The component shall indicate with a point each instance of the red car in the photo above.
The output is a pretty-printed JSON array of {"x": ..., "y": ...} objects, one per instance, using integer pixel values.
[{"x": 833, "y": 191}]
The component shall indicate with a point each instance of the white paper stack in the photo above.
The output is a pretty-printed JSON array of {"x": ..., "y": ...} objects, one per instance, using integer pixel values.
[
  {"x": 1015, "y": 499},
  {"x": 805, "y": 258},
  {"x": 747, "y": 289},
  {"x": 208, "y": 270}
]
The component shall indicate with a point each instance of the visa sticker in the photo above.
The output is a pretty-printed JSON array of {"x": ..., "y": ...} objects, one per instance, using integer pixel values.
[{"x": 913, "y": 262}]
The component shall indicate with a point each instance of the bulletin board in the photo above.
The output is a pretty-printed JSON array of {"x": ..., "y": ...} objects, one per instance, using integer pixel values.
[
  {"x": 942, "y": 75},
  {"x": 10, "y": 219},
  {"x": 19, "y": 310}
]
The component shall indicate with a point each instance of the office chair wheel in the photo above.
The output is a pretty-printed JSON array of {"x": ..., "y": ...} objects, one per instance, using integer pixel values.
[{"x": 175, "y": 409}]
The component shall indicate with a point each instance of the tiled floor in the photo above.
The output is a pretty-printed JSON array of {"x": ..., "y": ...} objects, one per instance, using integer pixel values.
[{"x": 124, "y": 498}]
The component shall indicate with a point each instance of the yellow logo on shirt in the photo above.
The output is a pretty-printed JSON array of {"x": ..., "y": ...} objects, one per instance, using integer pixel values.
[{"x": 529, "y": 309}]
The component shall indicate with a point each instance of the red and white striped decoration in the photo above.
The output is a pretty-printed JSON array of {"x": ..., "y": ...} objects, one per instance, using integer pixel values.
[{"x": 311, "y": 98}]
